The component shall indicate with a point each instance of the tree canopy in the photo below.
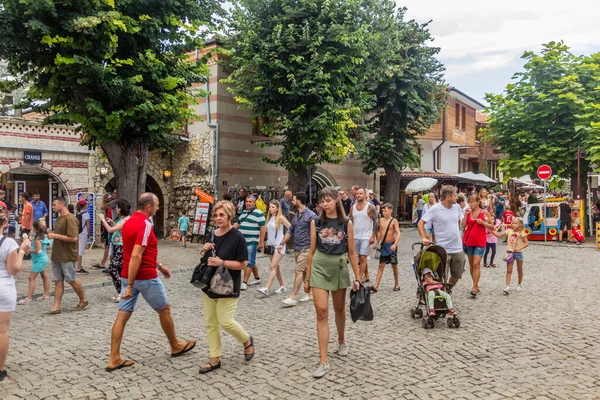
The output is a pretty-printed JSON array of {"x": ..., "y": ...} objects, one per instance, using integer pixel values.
[
  {"x": 117, "y": 69},
  {"x": 547, "y": 111},
  {"x": 301, "y": 68}
]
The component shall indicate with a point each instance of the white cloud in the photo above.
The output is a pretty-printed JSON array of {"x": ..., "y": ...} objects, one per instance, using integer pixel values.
[{"x": 476, "y": 36}]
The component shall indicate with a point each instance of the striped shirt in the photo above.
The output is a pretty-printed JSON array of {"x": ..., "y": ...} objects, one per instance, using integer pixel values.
[{"x": 250, "y": 223}]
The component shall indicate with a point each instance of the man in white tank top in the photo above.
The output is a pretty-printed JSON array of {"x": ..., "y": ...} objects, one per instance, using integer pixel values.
[{"x": 364, "y": 217}]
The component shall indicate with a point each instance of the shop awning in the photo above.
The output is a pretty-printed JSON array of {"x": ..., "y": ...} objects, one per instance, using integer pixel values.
[{"x": 481, "y": 178}]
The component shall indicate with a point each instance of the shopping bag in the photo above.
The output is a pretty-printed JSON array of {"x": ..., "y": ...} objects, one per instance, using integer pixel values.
[
  {"x": 222, "y": 282},
  {"x": 360, "y": 304}
]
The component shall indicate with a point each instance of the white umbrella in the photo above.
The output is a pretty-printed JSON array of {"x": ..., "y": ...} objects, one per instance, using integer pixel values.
[{"x": 421, "y": 184}]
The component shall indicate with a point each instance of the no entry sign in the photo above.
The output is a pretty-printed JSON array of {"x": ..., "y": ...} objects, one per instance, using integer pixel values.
[{"x": 544, "y": 172}]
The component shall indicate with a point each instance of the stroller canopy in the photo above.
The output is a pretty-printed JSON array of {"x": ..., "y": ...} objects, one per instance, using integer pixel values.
[{"x": 432, "y": 257}]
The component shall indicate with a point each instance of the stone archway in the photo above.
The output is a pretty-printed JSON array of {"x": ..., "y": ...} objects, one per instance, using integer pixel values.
[{"x": 43, "y": 168}]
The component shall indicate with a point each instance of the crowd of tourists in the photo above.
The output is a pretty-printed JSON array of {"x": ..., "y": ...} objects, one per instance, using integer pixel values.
[{"x": 337, "y": 236}]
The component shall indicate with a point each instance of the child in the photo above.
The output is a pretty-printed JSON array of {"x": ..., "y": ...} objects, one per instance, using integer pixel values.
[
  {"x": 389, "y": 236},
  {"x": 516, "y": 242},
  {"x": 40, "y": 261},
  {"x": 490, "y": 244},
  {"x": 577, "y": 235},
  {"x": 433, "y": 290},
  {"x": 184, "y": 222}
]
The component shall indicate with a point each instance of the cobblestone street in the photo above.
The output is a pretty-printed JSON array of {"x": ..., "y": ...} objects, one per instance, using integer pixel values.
[{"x": 541, "y": 343}]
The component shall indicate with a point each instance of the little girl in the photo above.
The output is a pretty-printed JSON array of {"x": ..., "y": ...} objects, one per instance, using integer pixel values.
[
  {"x": 490, "y": 245},
  {"x": 516, "y": 242},
  {"x": 40, "y": 261}
]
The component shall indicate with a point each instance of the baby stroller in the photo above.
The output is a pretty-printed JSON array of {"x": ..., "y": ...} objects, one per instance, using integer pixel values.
[{"x": 433, "y": 258}]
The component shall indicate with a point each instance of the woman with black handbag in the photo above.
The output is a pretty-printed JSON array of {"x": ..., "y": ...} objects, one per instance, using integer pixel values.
[
  {"x": 231, "y": 253},
  {"x": 275, "y": 223},
  {"x": 331, "y": 244}
]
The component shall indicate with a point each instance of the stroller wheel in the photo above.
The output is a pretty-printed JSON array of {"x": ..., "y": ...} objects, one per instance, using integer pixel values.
[
  {"x": 431, "y": 322},
  {"x": 424, "y": 323},
  {"x": 419, "y": 313},
  {"x": 412, "y": 313},
  {"x": 449, "y": 322},
  {"x": 456, "y": 322}
]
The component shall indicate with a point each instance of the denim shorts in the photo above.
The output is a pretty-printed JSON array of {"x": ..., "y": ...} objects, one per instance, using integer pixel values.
[
  {"x": 361, "y": 246},
  {"x": 519, "y": 256},
  {"x": 474, "y": 250},
  {"x": 252, "y": 247},
  {"x": 152, "y": 290}
]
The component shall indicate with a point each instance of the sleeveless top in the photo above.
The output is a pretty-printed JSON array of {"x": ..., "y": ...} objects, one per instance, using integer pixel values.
[
  {"x": 363, "y": 224},
  {"x": 274, "y": 236},
  {"x": 332, "y": 237},
  {"x": 117, "y": 238},
  {"x": 475, "y": 234}
]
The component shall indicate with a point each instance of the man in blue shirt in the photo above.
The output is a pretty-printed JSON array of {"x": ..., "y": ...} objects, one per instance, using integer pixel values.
[
  {"x": 39, "y": 207},
  {"x": 300, "y": 229},
  {"x": 286, "y": 204}
]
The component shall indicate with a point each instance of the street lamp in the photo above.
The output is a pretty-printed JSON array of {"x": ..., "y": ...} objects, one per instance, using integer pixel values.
[{"x": 166, "y": 174}]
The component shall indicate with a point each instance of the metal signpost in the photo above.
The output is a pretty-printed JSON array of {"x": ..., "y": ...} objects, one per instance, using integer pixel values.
[{"x": 544, "y": 172}]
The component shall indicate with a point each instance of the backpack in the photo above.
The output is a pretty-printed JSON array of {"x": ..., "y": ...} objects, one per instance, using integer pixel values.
[
  {"x": 80, "y": 220},
  {"x": 261, "y": 205}
]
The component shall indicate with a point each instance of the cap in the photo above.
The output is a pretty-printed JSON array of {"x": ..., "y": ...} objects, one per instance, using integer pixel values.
[
  {"x": 82, "y": 201},
  {"x": 426, "y": 271},
  {"x": 369, "y": 191}
]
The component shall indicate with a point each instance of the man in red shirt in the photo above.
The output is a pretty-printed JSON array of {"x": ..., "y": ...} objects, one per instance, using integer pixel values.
[{"x": 139, "y": 275}]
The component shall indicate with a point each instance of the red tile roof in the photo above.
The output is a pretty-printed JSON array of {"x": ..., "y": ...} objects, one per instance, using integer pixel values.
[{"x": 481, "y": 117}]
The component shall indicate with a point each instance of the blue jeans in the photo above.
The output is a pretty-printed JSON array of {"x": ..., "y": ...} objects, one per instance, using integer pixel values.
[
  {"x": 152, "y": 290},
  {"x": 252, "y": 247}
]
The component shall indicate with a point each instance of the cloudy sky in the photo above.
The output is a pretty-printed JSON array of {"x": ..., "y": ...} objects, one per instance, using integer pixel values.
[{"x": 482, "y": 41}]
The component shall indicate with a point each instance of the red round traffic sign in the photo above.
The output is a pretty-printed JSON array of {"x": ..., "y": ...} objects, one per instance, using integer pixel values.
[{"x": 544, "y": 172}]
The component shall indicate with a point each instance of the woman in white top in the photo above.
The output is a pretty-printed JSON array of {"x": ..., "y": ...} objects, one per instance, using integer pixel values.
[
  {"x": 275, "y": 223},
  {"x": 11, "y": 262},
  {"x": 84, "y": 219}
]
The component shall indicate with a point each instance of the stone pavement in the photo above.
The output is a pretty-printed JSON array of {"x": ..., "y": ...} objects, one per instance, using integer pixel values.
[{"x": 541, "y": 343}]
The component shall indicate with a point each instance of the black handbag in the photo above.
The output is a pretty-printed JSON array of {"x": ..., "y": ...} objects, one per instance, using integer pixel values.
[
  {"x": 203, "y": 273},
  {"x": 270, "y": 250}
]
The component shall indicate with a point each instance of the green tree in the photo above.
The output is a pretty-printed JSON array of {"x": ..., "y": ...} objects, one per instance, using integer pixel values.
[
  {"x": 300, "y": 67},
  {"x": 116, "y": 69},
  {"x": 407, "y": 80},
  {"x": 549, "y": 109}
]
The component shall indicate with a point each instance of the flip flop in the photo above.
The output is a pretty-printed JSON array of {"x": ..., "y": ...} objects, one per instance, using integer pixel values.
[
  {"x": 185, "y": 349},
  {"x": 124, "y": 364},
  {"x": 51, "y": 312}
]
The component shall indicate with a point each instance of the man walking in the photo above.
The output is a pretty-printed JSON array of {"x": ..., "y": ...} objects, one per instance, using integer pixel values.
[
  {"x": 300, "y": 229},
  {"x": 40, "y": 211},
  {"x": 445, "y": 218},
  {"x": 251, "y": 224},
  {"x": 346, "y": 202},
  {"x": 364, "y": 217},
  {"x": 64, "y": 256},
  {"x": 241, "y": 201},
  {"x": 139, "y": 275}
]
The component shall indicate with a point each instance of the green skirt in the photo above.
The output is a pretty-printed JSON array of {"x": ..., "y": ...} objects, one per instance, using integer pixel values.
[{"x": 329, "y": 272}]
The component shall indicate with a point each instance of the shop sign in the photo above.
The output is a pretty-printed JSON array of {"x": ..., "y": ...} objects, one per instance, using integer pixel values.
[
  {"x": 32, "y": 157},
  {"x": 201, "y": 218}
]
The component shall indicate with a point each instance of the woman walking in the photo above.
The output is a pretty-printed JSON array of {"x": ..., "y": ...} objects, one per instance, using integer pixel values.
[
  {"x": 113, "y": 228},
  {"x": 84, "y": 232},
  {"x": 231, "y": 253},
  {"x": 474, "y": 223},
  {"x": 275, "y": 223},
  {"x": 11, "y": 262},
  {"x": 332, "y": 242},
  {"x": 39, "y": 259}
]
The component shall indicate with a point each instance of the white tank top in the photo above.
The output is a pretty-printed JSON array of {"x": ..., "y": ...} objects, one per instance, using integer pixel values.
[
  {"x": 274, "y": 237},
  {"x": 363, "y": 224}
]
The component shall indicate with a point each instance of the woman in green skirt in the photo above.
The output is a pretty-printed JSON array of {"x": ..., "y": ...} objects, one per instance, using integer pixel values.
[{"x": 331, "y": 245}]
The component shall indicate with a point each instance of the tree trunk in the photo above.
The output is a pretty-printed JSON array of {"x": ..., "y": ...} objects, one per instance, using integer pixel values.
[
  {"x": 129, "y": 165},
  {"x": 298, "y": 180},
  {"x": 392, "y": 188}
]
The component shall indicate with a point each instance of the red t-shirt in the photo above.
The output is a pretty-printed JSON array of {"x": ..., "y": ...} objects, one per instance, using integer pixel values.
[
  {"x": 508, "y": 217},
  {"x": 138, "y": 230},
  {"x": 3, "y": 205}
]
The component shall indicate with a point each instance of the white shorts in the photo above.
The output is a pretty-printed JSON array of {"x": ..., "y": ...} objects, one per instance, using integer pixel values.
[
  {"x": 8, "y": 297},
  {"x": 82, "y": 242},
  {"x": 361, "y": 246}
]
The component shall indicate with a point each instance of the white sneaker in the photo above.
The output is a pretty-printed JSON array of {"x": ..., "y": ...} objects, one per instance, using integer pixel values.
[
  {"x": 321, "y": 370},
  {"x": 289, "y": 302},
  {"x": 507, "y": 290},
  {"x": 306, "y": 298},
  {"x": 243, "y": 286},
  {"x": 255, "y": 282},
  {"x": 281, "y": 290},
  {"x": 116, "y": 299},
  {"x": 342, "y": 350},
  {"x": 519, "y": 288},
  {"x": 264, "y": 291}
]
